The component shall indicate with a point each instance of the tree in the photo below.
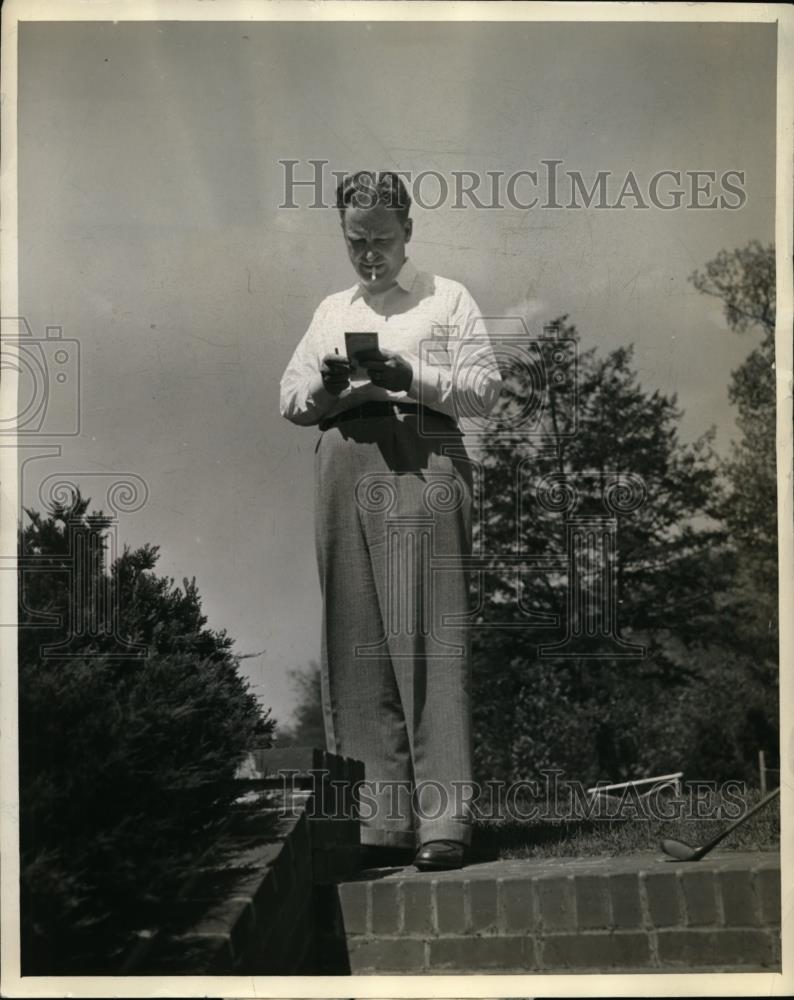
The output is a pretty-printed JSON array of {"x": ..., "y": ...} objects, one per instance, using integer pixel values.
[
  {"x": 593, "y": 717},
  {"x": 126, "y": 763},
  {"x": 308, "y": 729},
  {"x": 744, "y": 280}
]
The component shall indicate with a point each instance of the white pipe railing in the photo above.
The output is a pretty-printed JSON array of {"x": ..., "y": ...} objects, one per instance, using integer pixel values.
[{"x": 664, "y": 779}]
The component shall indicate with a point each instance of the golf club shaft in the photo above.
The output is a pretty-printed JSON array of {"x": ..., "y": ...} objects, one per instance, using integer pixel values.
[{"x": 729, "y": 829}]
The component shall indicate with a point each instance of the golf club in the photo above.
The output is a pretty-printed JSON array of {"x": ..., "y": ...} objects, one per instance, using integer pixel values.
[{"x": 683, "y": 852}]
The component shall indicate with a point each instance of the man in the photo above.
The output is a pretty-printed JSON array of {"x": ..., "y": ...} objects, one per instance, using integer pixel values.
[{"x": 393, "y": 497}]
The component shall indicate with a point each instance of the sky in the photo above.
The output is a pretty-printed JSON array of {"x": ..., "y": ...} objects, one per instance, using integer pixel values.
[{"x": 150, "y": 231}]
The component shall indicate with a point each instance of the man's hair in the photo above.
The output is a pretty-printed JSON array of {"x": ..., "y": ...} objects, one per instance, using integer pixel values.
[{"x": 366, "y": 189}]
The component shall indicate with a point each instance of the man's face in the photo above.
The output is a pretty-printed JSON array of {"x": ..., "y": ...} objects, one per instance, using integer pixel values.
[{"x": 375, "y": 239}]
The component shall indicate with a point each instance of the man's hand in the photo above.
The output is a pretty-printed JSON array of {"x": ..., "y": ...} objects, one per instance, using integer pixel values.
[
  {"x": 335, "y": 372},
  {"x": 390, "y": 371}
]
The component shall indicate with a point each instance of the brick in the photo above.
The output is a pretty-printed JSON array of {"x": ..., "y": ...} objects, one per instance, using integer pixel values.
[
  {"x": 353, "y": 901},
  {"x": 278, "y": 935},
  {"x": 220, "y": 953},
  {"x": 473, "y": 954},
  {"x": 386, "y": 955},
  {"x": 224, "y": 883},
  {"x": 267, "y": 824},
  {"x": 516, "y": 904},
  {"x": 191, "y": 955},
  {"x": 305, "y": 938},
  {"x": 747, "y": 946},
  {"x": 450, "y": 914},
  {"x": 592, "y": 901},
  {"x": 306, "y": 946},
  {"x": 739, "y": 905},
  {"x": 385, "y": 908},
  {"x": 699, "y": 897},
  {"x": 302, "y": 874},
  {"x": 555, "y": 900},
  {"x": 247, "y": 915},
  {"x": 327, "y": 908},
  {"x": 281, "y": 952},
  {"x": 330, "y": 863},
  {"x": 264, "y": 898},
  {"x": 331, "y": 768},
  {"x": 624, "y": 891},
  {"x": 246, "y": 852},
  {"x": 342, "y": 861},
  {"x": 417, "y": 908},
  {"x": 482, "y": 905},
  {"x": 323, "y": 831},
  {"x": 331, "y": 957},
  {"x": 285, "y": 875},
  {"x": 232, "y": 918},
  {"x": 698, "y": 948},
  {"x": 329, "y": 832},
  {"x": 329, "y": 802},
  {"x": 353, "y": 768},
  {"x": 686, "y": 947},
  {"x": 275, "y": 759},
  {"x": 776, "y": 945},
  {"x": 295, "y": 802},
  {"x": 661, "y": 890},
  {"x": 600, "y": 951},
  {"x": 767, "y": 888},
  {"x": 299, "y": 841},
  {"x": 321, "y": 869},
  {"x": 355, "y": 778}
]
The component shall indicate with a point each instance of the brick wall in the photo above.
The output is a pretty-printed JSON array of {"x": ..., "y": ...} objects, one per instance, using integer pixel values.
[
  {"x": 251, "y": 910},
  {"x": 322, "y": 784},
  {"x": 284, "y": 896},
  {"x": 612, "y": 914}
]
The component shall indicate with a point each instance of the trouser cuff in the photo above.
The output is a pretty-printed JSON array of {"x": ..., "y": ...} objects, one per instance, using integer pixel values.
[
  {"x": 445, "y": 829},
  {"x": 378, "y": 837}
]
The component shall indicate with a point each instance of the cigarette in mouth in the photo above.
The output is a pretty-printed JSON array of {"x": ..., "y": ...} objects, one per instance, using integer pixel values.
[{"x": 372, "y": 275}]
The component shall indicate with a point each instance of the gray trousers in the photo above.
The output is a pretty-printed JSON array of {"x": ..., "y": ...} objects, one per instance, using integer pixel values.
[{"x": 393, "y": 507}]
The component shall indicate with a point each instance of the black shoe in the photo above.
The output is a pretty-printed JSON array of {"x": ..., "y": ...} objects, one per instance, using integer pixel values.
[
  {"x": 377, "y": 856},
  {"x": 440, "y": 855}
]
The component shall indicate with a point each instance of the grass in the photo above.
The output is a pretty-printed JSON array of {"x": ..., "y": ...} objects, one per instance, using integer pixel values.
[{"x": 636, "y": 831}]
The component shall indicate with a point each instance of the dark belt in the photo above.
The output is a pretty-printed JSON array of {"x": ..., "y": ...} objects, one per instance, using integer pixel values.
[{"x": 378, "y": 408}]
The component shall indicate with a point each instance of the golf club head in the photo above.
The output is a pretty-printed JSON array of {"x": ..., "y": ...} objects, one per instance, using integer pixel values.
[{"x": 680, "y": 851}]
